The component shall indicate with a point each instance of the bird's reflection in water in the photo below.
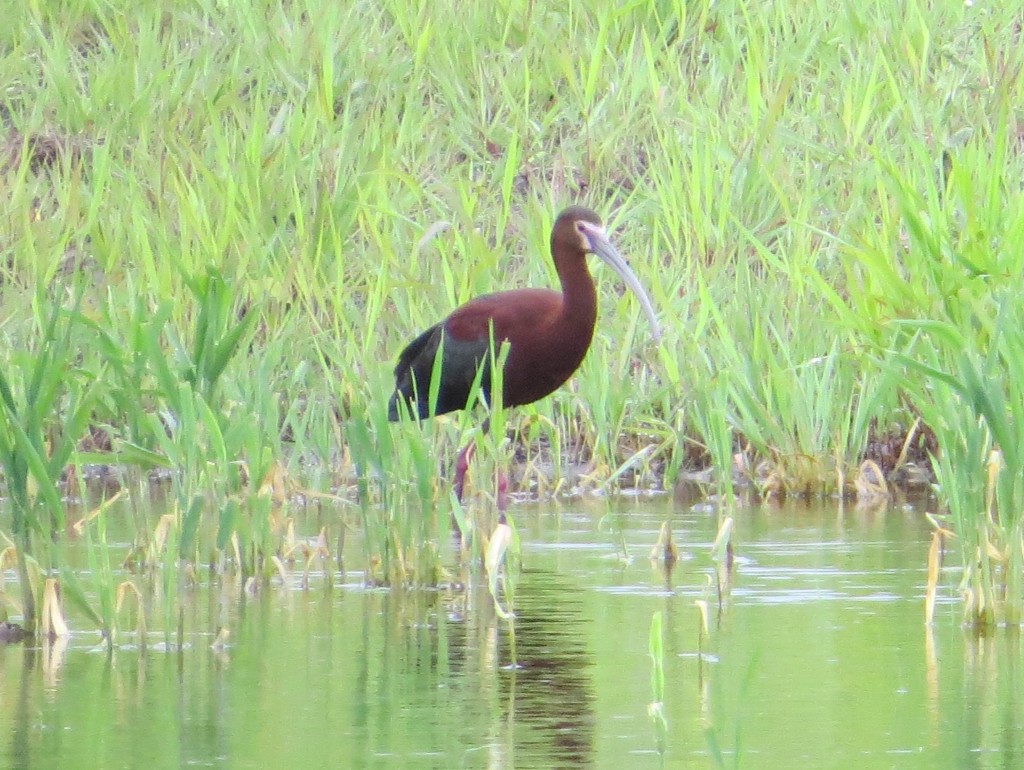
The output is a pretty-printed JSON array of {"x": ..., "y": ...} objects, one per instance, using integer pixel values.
[{"x": 549, "y": 696}]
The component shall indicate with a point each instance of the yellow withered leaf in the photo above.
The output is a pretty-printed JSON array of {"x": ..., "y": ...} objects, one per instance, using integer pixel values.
[
  {"x": 53, "y": 625},
  {"x": 934, "y": 555}
]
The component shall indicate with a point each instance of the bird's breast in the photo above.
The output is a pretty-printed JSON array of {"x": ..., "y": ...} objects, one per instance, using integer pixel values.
[{"x": 541, "y": 364}]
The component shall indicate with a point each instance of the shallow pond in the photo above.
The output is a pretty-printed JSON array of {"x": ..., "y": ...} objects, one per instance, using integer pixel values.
[{"x": 819, "y": 659}]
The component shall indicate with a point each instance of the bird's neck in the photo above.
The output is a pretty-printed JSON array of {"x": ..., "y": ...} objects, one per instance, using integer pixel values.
[{"x": 579, "y": 300}]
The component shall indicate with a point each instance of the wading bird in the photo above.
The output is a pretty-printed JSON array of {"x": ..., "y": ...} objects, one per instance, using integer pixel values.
[{"x": 548, "y": 334}]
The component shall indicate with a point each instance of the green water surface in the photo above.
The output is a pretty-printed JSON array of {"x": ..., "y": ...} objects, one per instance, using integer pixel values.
[{"x": 819, "y": 658}]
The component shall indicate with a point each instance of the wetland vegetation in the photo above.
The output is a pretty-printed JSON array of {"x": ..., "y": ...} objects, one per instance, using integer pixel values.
[{"x": 222, "y": 221}]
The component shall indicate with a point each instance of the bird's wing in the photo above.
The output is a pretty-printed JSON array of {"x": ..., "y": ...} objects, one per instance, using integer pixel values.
[
  {"x": 415, "y": 368},
  {"x": 423, "y": 346}
]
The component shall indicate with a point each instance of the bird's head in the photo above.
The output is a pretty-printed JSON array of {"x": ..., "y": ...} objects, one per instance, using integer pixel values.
[{"x": 578, "y": 231}]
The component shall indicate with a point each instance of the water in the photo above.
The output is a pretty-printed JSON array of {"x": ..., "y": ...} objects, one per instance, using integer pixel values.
[{"x": 819, "y": 659}]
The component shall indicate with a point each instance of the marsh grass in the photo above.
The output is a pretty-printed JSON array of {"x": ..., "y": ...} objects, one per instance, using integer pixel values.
[
  {"x": 45, "y": 408},
  {"x": 948, "y": 330},
  {"x": 265, "y": 201}
]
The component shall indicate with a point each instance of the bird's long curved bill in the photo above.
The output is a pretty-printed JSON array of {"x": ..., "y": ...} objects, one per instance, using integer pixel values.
[{"x": 601, "y": 246}]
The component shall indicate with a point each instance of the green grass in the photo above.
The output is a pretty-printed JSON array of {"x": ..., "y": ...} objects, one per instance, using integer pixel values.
[{"x": 266, "y": 201}]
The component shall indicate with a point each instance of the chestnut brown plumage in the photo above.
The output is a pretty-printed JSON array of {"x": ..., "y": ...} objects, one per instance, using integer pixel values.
[{"x": 548, "y": 332}]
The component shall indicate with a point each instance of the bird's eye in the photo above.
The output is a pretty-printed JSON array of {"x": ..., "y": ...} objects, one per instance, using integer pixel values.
[{"x": 584, "y": 236}]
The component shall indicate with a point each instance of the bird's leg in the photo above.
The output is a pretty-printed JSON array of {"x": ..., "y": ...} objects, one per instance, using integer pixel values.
[
  {"x": 463, "y": 460},
  {"x": 502, "y": 492},
  {"x": 461, "y": 466}
]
